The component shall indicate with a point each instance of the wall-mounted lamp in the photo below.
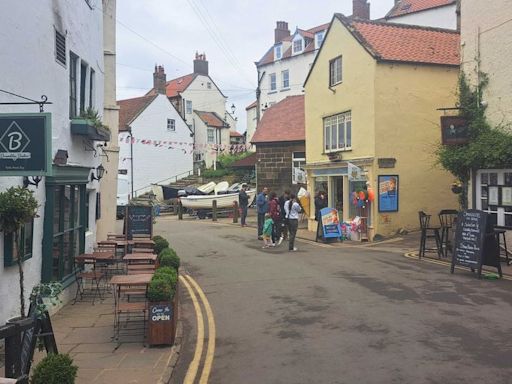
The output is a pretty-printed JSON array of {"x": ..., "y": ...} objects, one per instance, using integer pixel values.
[
  {"x": 233, "y": 109},
  {"x": 100, "y": 171},
  {"x": 35, "y": 181}
]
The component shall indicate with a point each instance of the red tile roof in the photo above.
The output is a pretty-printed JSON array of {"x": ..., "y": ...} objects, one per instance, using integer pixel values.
[
  {"x": 252, "y": 105},
  {"x": 176, "y": 86},
  {"x": 404, "y": 7},
  {"x": 283, "y": 121},
  {"x": 129, "y": 109},
  {"x": 406, "y": 43},
  {"x": 249, "y": 161},
  {"x": 211, "y": 119},
  {"x": 235, "y": 134}
]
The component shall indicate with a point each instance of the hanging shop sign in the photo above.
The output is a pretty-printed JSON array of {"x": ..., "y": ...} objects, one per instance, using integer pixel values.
[
  {"x": 25, "y": 144},
  {"x": 388, "y": 193},
  {"x": 454, "y": 130}
]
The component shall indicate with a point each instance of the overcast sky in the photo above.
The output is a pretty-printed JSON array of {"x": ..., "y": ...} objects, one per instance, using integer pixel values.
[{"x": 233, "y": 34}]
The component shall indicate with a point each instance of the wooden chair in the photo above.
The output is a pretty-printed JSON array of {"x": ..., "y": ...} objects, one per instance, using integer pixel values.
[
  {"x": 428, "y": 232},
  {"x": 135, "y": 269},
  {"x": 142, "y": 250},
  {"x": 446, "y": 219}
]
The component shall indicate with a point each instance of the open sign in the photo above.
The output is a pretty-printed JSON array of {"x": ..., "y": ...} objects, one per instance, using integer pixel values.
[{"x": 161, "y": 313}]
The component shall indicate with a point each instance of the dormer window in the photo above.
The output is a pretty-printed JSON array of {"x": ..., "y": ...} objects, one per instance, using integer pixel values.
[
  {"x": 278, "y": 52},
  {"x": 319, "y": 39},
  {"x": 297, "y": 46}
]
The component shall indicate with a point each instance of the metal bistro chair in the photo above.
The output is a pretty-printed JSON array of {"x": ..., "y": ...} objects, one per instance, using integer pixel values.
[
  {"x": 446, "y": 219},
  {"x": 82, "y": 275},
  {"x": 428, "y": 232}
]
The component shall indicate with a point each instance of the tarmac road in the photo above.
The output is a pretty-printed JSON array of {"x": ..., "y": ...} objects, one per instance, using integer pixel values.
[{"x": 333, "y": 315}]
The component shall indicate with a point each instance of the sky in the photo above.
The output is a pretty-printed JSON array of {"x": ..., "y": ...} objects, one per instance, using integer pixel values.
[{"x": 233, "y": 34}]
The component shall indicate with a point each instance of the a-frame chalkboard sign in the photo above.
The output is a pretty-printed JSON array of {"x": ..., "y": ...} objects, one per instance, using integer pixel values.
[
  {"x": 475, "y": 243},
  {"x": 138, "y": 221}
]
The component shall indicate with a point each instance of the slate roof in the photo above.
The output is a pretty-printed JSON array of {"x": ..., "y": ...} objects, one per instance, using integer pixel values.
[
  {"x": 405, "y": 43},
  {"x": 405, "y": 7},
  {"x": 129, "y": 109},
  {"x": 283, "y": 121},
  {"x": 309, "y": 34},
  {"x": 211, "y": 119}
]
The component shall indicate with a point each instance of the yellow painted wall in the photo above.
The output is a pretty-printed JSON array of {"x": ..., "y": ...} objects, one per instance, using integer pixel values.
[
  {"x": 408, "y": 129},
  {"x": 355, "y": 93}
]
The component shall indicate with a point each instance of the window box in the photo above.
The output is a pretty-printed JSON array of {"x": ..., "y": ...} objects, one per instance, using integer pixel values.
[{"x": 84, "y": 127}]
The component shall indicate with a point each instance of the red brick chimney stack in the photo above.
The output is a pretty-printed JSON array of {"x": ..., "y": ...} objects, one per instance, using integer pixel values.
[
  {"x": 281, "y": 32},
  {"x": 159, "y": 80},
  {"x": 361, "y": 9},
  {"x": 201, "y": 64}
]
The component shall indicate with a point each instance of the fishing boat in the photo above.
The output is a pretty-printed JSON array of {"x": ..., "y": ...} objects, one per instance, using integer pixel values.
[
  {"x": 205, "y": 202},
  {"x": 207, "y": 188},
  {"x": 221, "y": 188}
]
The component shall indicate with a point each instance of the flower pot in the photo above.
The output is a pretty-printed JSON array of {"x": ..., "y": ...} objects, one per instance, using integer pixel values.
[{"x": 456, "y": 189}]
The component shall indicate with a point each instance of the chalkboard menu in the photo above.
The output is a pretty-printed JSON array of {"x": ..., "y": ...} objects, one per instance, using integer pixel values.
[
  {"x": 138, "y": 220},
  {"x": 475, "y": 242}
]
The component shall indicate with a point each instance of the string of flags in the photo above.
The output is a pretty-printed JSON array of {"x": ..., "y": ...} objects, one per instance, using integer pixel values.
[{"x": 185, "y": 147}]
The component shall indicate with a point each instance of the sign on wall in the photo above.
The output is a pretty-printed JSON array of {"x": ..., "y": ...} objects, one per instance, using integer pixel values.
[
  {"x": 454, "y": 130},
  {"x": 388, "y": 193},
  {"x": 25, "y": 144}
]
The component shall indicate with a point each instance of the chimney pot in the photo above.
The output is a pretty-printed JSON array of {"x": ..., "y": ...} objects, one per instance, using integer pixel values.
[
  {"x": 281, "y": 32},
  {"x": 361, "y": 9}
]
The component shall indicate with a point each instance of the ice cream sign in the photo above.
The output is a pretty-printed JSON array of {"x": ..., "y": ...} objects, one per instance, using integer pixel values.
[{"x": 25, "y": 144}]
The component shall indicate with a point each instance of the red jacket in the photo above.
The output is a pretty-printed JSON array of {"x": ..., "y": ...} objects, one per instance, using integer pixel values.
[{"x": 274, "y": 209}]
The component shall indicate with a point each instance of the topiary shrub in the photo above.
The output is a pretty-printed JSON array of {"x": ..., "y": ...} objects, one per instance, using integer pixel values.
[
  {"x": 160, "y": 244},
  {"x": 55, "y": 369},
  {"x": 168, "y": 272},
  {"x": 170, "y": 259},
  {"x": 160, "y": 288}
]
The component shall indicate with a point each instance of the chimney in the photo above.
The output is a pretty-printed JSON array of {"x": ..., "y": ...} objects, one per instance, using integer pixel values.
[
  {"x": 281, "y": 32},
  {"x": 361, "y": 9},
  {"x": 200, "y": 64},
  {"x": 159, "y": 80}
]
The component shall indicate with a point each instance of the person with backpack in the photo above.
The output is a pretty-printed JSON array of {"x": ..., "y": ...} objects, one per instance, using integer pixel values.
[
  {"x": 262, "y": 208},
  {"x": 292, "y": 209}
]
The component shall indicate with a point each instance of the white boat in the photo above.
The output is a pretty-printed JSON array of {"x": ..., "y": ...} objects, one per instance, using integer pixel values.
[
  {"x": 205, "y": 202},
  {"x": 207, "y": 188},
  {"x": 221, "y": 187}
]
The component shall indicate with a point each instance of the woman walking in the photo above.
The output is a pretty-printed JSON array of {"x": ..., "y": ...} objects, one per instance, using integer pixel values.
[{"x": 292, "y": 209}]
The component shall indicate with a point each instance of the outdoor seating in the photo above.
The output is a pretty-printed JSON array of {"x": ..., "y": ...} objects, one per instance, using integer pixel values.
[
  {"x": 86, "y": 271},
  {"x": 428, "y": 232},
  {"x": 133, "y": 269},
  {"x": 502, "y": 232},
  {"x": 446, "y": 219}
]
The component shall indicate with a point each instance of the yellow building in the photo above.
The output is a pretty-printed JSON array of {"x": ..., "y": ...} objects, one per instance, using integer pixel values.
[{"x": 371, "y": 100}]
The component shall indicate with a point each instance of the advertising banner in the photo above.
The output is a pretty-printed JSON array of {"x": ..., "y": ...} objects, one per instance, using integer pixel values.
[{"x": 330, "y": 223}]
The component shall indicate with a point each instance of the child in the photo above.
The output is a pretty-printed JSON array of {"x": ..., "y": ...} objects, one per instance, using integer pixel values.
[{"x": 267, "y": 231}]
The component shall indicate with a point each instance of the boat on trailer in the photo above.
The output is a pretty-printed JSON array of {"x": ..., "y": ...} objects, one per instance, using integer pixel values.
[{"x": 206, "y": 201}]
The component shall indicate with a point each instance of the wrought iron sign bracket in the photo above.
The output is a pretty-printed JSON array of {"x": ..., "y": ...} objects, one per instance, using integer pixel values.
[
  {"x": 103, "y": 152},
  {"x": 42, "y": 103}
]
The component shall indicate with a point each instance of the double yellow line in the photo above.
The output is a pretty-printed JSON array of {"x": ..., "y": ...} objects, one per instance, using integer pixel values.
[{"x": 193, "y": 368}]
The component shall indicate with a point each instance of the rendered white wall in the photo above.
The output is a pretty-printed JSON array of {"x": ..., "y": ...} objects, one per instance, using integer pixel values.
[
  {"x": 29, "y": 68},
  {"x": 442, "y": 17},
  {"x": 251, "y": 128},
  {"x": 152, "y": 164}
]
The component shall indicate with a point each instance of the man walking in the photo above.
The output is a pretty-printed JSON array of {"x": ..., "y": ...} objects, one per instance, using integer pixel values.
[
  {"x": 243, "y": 202},
  {"x": 262, "y": 208}
]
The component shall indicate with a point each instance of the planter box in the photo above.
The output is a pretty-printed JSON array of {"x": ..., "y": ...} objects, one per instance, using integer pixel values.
[
  {"x": 162, "y": 321},
  {"x": 84, "y": 127}
]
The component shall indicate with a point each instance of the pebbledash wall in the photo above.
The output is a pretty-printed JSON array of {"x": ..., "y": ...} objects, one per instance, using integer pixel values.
[
  {"x": 274, "y": 165},
  {"x": 29, "y": 68}
]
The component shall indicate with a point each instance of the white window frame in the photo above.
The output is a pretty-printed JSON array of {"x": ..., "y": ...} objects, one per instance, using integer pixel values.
[
  {"x": 499, "y": 211},
  {"x": 285, "y": 79},
  {"x": 210, "y": 135},
  {"x": 298, "y": 161},
  {"x": 278, "y": 51},
  {"x": 336, "y": 71},
  {"x": 337, "y": 126},
  {"x": 319, "y": 39},
  {"x": 273, "y": 82},
  {"x": 296, "y": 47},
  {"x": 171, "y": 125},
  {"x": 188, "y": 106}
]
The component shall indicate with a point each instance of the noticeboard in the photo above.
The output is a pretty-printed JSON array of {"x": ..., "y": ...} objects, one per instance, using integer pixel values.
[
  {"x": 388, "y": 193},
  {"x": 330, "y": 222},
  {"x": 139, "y": 220},
  {"x": 25, "y": 144}
]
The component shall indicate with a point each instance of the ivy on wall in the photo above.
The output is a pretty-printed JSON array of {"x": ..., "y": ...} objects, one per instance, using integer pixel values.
[{"x": 489, "y": 147}]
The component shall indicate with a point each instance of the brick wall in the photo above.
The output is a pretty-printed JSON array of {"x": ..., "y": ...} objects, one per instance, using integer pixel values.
[{"x": 274, "y": 165}]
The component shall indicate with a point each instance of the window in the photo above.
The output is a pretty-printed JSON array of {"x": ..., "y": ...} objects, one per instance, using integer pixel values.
[
  {"x": 72, "y": 84},
  {"x": 171, "y": 125},
  {"x": 273, "y": 85},
  {"x": 319, "y": 39},
  {"x": 335, "y": 71},
  {"x": 298, "y": 164},
  {"x": 297, "y": 46},
  {"x": 60, "y": 48},
  {"x": 278, "y": 51},
  {"x": 83, "y": 83},
  {"x": 209, "y": 85},
  {"x": 211, "y": 136},
  {"x": 338, "y": 132},
  {"x": 25, "y": 237},
  {"x": 91, "y": 88},
  {"x": 188, "y": 105},
  {"x": 285, "y": 75}
]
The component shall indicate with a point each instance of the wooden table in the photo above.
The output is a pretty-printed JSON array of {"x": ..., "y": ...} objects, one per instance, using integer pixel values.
[
  {"x": 128, "y": 280},
  {"x": 96, "y": 256},
  {"x": 149, "y": 257}
]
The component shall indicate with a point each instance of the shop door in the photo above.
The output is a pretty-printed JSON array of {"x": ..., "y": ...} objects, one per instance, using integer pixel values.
[{"x": 494, "y": 195}]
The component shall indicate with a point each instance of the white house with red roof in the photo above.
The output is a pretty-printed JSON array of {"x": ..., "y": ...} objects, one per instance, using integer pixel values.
[{"x": 427, "y": 13}]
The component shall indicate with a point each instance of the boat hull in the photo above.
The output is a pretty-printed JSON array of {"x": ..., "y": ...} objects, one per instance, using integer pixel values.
[{"x": 205, "y": 202}]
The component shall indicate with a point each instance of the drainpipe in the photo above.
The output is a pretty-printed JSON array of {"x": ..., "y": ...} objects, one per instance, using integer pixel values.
[{"x": 131, "y": 160}]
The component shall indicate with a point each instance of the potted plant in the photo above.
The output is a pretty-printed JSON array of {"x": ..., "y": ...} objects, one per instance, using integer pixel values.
[
  {"x": 89, "y": 124},
  {"x": 456, "y": 187},
  {"x": 161, "y": 324},
  {"x": 55, "y": 369},
  {"x": 17, "y": 207}
]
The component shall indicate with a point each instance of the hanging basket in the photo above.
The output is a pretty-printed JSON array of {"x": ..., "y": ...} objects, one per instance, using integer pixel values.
[{"x": 457, "y": 189}]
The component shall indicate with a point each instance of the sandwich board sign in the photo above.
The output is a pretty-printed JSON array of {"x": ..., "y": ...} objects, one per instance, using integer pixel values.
[{"x": 25, "y": 144}]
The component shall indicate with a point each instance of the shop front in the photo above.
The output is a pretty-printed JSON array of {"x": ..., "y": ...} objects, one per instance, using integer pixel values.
[{"x": 494, "y": 195}]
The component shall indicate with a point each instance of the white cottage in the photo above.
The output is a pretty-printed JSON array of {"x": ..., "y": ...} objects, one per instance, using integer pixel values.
[{"x": 60, "y": 56}]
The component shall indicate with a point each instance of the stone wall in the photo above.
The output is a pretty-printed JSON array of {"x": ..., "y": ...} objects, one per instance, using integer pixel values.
[{"x": 274, "y": 165}]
